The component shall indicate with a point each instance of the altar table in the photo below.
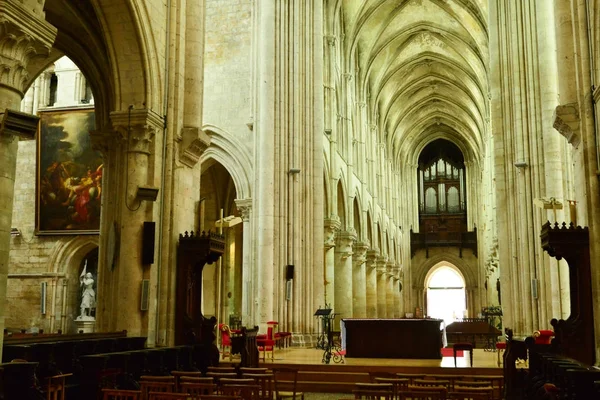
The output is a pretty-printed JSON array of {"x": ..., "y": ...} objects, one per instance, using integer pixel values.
[{"x": 392, "y": 338}]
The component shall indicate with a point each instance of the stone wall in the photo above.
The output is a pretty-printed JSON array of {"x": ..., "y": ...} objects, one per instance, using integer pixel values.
[{"x": 228, "y": 67}]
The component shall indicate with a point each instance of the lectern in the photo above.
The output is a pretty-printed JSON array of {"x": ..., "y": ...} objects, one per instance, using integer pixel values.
[{"x": 324, "y": 315}]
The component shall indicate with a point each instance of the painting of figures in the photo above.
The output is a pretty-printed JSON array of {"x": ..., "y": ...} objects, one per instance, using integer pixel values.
[{"x": 69, "y": 174}]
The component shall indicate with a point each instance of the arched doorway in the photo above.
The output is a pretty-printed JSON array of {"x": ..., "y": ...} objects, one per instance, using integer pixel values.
[{"x": 446, "y": 297}]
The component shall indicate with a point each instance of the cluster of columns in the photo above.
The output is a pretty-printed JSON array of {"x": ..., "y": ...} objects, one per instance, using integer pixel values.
[{"x": 365, "y": 283}]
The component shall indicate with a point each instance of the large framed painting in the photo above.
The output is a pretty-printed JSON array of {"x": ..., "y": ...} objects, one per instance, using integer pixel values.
[{"x": 69, "y": 174}]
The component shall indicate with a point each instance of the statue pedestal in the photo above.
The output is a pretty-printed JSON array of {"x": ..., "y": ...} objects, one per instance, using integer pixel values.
[{"x": 85, "y": 324}]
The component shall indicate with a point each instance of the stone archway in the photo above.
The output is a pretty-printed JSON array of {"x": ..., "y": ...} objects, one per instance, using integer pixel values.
[
  {"x": 65, "y": 264},
  {"x": 466, "y": 266},
  {"x": 445, "y": 293}
]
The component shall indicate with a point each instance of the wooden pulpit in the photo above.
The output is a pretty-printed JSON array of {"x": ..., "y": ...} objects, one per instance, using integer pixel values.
[
  {"x": 575, "y": 335},
  {"x": 195, "y": 250}
]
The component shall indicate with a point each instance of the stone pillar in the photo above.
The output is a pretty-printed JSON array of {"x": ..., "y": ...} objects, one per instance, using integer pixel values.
[
  {"x": 397, "y": 298},
  {"x": 359, "y": 280},
  {"x": 371, "y": 282},
  {"x": 382, "y": 287},
  {"x": 23, "y": 34},
  {"x": 389, "y": 295},
  {"x": 332, "y": 226},
  {"x": 265, "y": 148},
  {"x": 343, "y": 274},
  {"x": 248, "y": 270},
  {"x": 137, "y": 130}
]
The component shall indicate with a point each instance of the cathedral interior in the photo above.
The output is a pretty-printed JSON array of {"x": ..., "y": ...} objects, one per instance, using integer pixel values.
[{"x": 383, "y": 158}]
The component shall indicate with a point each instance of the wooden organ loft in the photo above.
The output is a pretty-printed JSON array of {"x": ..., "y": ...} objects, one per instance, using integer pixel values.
[{"x": 442, "y": 200}]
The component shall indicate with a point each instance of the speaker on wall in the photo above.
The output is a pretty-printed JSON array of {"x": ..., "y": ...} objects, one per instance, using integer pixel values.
[
  {"x": 289, "y": 272},
  {"x": 148, "y": 236}
]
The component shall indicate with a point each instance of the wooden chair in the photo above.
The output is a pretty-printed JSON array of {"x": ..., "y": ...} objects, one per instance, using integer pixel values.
[
  {"x": 398, "y": 384},
  {"x": 55, "y": 387},
  {"x": 373, "y": 391},
  {"x": 117, "y": 394},
  {"x": 265, "y": 383},
  {"x": 221, "y": 369},
  {"x": 253, "y": 370},
  {"x": 421, "y": 395},
  {"x": 432, "y": 382},
  {"x": 197, "y": 388},
  {"x": 159, "y": 384},
  {"x": 179, "y": 374},
  {"x": 446, "y": 377},
  {"x": 217, "y": 376},
  {"x": 169, "y": 396},
  {"x": 497, "y": 382},
  {"x": 467, "y": 396},
  {"x": 225, "y": 341},
  {"x": 410, "y": 377},
  {"x": 237, "y": 381},
  {"x": 286, "y": 383},
  {"x": 468, "y": 391},
  {"x": 246, "y": 391},
  {"x": 266, "y": 343},
  {"x": 475, "y": 384},
  {"x": 441, "y": 390}
]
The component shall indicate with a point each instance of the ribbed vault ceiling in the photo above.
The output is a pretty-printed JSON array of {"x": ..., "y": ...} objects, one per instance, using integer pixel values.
[{"x": 422, "y": 66}]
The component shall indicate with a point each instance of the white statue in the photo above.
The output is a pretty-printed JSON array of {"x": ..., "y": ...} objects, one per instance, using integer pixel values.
[{"x": 88, "y": 295}]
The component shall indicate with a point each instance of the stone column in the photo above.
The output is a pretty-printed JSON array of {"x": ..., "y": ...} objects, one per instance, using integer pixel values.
[
  {"x": 248, "y": 271},
  {"x": 24, "y": 34},
  {"x": 397, "y": 298},
  {"x": 359, "y": 280},
  {"x": 382, "y": 287},
  {"x": 332, "y": 226},
  {"x": 343, "y": 274},
  {"x": 137, "y": 130},
  {"x": 371, "y": 282},
  {"x": 389, "y": 295}
]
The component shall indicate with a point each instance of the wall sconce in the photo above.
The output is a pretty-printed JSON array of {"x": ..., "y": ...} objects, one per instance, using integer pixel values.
[
  {"x": 146, "y": 193},
  {"x": 15, "y": 232}
]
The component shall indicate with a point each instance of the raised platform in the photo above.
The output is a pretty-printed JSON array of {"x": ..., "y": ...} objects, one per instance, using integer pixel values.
[{"x": 340, "y": 378}]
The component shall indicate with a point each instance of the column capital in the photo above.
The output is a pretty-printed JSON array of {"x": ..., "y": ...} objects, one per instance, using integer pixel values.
[
  {"x": 137, "y": 128},
  {"x": 102, "y": 140},
  {"x": 343, "y": 243},
  {"x": 193, "y": 141},
  {"x": 372, "y": 255},
  {"x": 23, "y": 36},
  {"x": 17, "y": 124},
  {"x": 359, "y": 250},
  {"x": 244, "y": 206},
  {"x": 332, "y": 226}
]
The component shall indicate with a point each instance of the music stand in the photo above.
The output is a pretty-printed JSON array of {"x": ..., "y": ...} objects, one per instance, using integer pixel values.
[{"x": 324, "y": 315}]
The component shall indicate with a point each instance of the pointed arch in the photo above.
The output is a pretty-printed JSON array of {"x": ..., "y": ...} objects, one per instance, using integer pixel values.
[{"x": 233, "y": 155}]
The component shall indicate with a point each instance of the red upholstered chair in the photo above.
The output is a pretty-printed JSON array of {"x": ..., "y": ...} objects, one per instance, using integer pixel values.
[
  {"x": 266, "y": 343},
  {"x": 282, "y": 338},
  {"x": 225, "y": 340},
  {"x": 543, "y": 336},
  {"x": 500, "y": 349}
]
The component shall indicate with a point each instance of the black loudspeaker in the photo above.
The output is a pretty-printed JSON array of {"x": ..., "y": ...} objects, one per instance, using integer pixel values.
[
  {"x": 148, "y": 235},
  {"x": 289, "y": 272}
]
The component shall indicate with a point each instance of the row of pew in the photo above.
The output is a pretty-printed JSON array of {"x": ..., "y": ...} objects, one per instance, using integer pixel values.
[{"x": 550, "y": 376}]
